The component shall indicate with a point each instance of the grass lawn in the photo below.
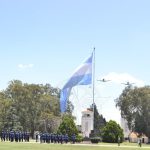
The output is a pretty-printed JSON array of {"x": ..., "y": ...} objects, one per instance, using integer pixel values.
[{"x": 38, "y": 146}]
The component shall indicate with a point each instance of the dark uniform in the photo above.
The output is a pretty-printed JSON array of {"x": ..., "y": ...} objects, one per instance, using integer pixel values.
[
  {"x": 36, "y": 137},
  {"x": 140, "y": 142},
  {"x": 73, "y": 138}
]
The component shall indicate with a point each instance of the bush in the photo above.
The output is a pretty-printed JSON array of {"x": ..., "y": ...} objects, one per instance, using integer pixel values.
[
  {"x": 86, "y": 139},
  {"x": 95, "y": 139},
  {"x": 79, "y": 138},
  {"x": 68, "y": 126},
  {"x": 111, "y": 132}
]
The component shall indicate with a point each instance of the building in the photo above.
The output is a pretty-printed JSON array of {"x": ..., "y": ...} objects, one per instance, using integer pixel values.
[
  {"x": 87, "y": 122},
  {"x": 133, "y": 137}
]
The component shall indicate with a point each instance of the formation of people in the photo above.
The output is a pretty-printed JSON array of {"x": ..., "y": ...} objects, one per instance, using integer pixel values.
[
  {"x": 54, "y": 138},
  {"x": 17, "y": 136}
]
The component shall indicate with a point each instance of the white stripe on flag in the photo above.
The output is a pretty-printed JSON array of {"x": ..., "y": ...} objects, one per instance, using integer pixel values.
[{"x": 82, "y": 76}]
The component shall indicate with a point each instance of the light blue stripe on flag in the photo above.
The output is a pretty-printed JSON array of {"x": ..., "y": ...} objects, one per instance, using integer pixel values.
[{"x": 81, "y": 76}]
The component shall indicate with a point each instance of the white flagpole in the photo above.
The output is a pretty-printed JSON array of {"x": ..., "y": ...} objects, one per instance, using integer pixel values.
[{"x": 93, "y": 83}]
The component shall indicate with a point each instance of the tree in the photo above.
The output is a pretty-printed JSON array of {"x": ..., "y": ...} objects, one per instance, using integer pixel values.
[
  {"x": 99, "y": 121},
  {"x": 29, "y": 106},
  {"x": 69, "y": 108},
  {"x": 5, "y": 114},
  {"x": 111, "y": 132},
  {"x": 134, "y": 104},
  {"x": 68, "y": 126}
]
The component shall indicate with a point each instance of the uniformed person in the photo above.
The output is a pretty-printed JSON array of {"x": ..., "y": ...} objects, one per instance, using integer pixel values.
[{"x": 73, "y": 138}]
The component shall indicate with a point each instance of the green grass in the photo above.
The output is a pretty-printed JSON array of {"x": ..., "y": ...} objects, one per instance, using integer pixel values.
[{"x": 38, "y": 146}]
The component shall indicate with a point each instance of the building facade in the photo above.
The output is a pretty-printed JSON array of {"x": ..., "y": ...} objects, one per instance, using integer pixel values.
[{"x": 87, "y": 122}]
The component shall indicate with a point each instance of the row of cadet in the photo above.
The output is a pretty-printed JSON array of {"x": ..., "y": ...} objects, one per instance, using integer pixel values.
[
  {"x": 16, "y": 136},
  {"x": 54, "y": 138},
  {"x": 19, "y": 136}
]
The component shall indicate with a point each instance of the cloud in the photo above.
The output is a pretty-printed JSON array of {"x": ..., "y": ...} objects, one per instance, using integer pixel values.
[
  {"x": 123, "y": 78},
  {"x": 25, "y": 66},
  {"x": 105, "y": 93}
]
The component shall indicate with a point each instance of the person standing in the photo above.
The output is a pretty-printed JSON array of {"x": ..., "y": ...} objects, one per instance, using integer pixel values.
[
  {"x": 118, "y": 141},
  {"x": 140, "y": 142},
  {"x": 36, "y": 137}
]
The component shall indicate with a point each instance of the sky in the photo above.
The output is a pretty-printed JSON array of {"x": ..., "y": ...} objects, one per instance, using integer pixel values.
[{"x": 44, "y": 41}]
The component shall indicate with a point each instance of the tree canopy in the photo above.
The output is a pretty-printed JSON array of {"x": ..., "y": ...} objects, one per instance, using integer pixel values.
[
  {"x": 99, "y": 121},
  {"x": 134, "y": 104},
  {"x": 111, "y": 132},
  {"x": 29, "y": 107},
  {"x": 68, "y": 126}
]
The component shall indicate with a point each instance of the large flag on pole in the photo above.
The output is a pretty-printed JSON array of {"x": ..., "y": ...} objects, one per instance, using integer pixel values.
[{"x": 81, "y": 76}]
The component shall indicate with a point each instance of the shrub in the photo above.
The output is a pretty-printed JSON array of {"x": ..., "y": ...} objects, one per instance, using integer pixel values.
[
  {"x": 86, "y": 139},
  {"x": 111, "y": 132},
  {"x": 79, "y": 138},
  {"x": 95, "y": 139}
]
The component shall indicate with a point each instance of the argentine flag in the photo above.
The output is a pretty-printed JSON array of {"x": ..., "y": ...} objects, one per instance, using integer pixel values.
[{"x": 81, "y": 76}]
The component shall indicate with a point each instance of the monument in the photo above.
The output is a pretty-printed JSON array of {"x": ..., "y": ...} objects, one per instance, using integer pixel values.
[{"x": 87, "y": 122}]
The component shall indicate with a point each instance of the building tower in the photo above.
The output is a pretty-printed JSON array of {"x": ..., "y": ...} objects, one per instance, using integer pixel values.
[{"x": 87, "y": 122}]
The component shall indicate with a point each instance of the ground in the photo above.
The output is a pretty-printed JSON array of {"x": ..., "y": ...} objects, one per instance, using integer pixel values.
[{"x": 38, "y": 146}]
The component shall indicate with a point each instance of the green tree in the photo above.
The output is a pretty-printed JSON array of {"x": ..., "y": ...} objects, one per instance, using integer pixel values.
[
  {"x": 68, "y": 126},
  {"x": 111, "y": 132},
  {"x": 50, "y": 114},
  {"x": 5, "y": 113},
  {"x": 134, "y": 104},
  {"x": 29, "y": 106},
  {"x": 99, "y": 121},
  {"x": 69, "y": 108}
]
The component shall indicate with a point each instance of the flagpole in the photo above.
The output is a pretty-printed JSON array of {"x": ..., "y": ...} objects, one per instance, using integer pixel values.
[{"x": 93, "y": 83}]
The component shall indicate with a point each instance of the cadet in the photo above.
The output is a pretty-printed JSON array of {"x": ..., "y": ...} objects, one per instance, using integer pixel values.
[
  {"x": 2, "y": 136},
  {"x": 7, "y": 135},
  {"x": 36, "y": 137},
  {"x": 73, "y": 138},
  {"x": 12, "y": 136},
  {"x": 140, "y": 142},
  {"x": 66, "y": 138},
  {"x": 52, "y": 138}
]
